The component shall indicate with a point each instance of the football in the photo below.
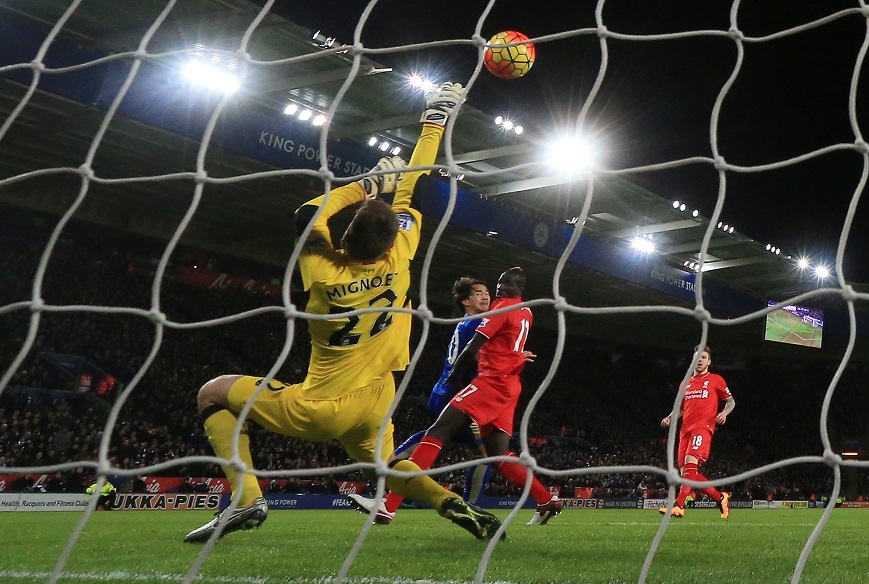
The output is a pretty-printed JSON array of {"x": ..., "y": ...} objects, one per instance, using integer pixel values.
[{"x": 509, "y": 62}]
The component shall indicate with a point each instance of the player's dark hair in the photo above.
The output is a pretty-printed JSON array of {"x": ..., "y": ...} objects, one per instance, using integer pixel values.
[
  {"x": 463, "y": 288},
  {"x": 706, "y": 349},
  {"x": 371, "y": 232},
  {"x": 517, "y": 276}
]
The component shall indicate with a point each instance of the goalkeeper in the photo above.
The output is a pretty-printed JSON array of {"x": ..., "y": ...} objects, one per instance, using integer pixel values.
[{"x": 349, "y": 386}]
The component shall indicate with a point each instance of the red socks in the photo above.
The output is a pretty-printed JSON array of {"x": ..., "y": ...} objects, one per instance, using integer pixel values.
[
  {"x": 691, "y": 472},
  {"x": 518, "y": 474},
  {"x": 424, "y": 455}
]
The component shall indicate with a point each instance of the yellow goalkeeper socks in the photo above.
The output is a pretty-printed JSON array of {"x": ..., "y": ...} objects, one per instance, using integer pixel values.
[
  {"x": 421, "y": 487},
  {"x": 219, "y": 426}
]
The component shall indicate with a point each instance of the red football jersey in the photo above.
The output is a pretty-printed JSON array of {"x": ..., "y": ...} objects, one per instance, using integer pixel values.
[
  {"x": 507, "y": 333},
  {"x": 700, "y": 402}
]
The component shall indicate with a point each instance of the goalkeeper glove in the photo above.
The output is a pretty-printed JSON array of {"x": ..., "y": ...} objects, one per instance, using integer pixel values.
[
  {"x": 440, "y": 104},
  {"x": 384, "y": 183}
]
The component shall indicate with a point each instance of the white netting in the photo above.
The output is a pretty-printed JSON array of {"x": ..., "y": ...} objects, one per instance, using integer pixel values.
[{"x": 200, "y": 180}]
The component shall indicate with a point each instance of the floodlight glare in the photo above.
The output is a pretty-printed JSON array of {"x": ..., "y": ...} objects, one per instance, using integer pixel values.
[
  {"x": 319, "y": 120},
  {"x": 305, "y": 115},
  {"x": 768, "y": 246},
  {"x": 571, "y": 155},
  {"x": 802, "y": 263},
  {"x": 211, "y": 77},
  {"x": 695, "y": 213},
  {"x": 822, "y": 272},
  {"x": 508, "y": 125},
  {"x": 730, "y": 230},
  {"x": 396, "y": 151},
  {"x": 428, "y": 86},
  {"x": 676, "y": 204},
  {"x": 720, "y": 224},
  {"x": 384, "y": 146},
  {"x": 291, "y": 109},
  {"x": 643, "y": 245},
  {"x": 682, "y": 207},
  {"x": 499, "y": 120},
  {"x": 518, "y": 130},
  {"x": 372, "y": 141},
  {"x": 726, "y": 227},
  {"x": 415, "y": 80}
]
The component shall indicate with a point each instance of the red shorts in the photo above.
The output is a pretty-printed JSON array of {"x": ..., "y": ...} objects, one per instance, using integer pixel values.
[
  {"x": 696, "y": 443},
  {"x": 490, "y": 402}
]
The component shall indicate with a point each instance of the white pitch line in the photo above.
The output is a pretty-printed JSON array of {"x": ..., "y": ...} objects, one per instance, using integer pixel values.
[{"x": 132, "y": 577}]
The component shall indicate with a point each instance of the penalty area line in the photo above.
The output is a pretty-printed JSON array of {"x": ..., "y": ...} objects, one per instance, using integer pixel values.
[{"x": 119, "y": 576}]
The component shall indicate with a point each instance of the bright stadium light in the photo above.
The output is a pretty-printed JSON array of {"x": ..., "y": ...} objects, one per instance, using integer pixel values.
[
  {"x": 319, "y": 120},
  {"x": 518, "y": 130},
  {"x": 384, "y": 145},
  {"x": 396, "y": 151},
  {"x": 802, "y": 263},
  {"x": 730, "y": 230},
  {"x": 571, "y": 155},
  {"x": 682, "y": 207},
  {"x": 291, "y": 109},
  {"x": 643, "y": 244},
  {"x": 499, "y": 120},
  {"x": 822, "y": 272},
  {"x": 720, "y": 224},
  {"x": 695, "y": 213},
  {"x": 676, "y": 204},
  {"x": 372, "y": 141},
  {"x": 306, "y": 115},
  {"x": 211, "y": 77},
  {"x": 507, "y": 125}
]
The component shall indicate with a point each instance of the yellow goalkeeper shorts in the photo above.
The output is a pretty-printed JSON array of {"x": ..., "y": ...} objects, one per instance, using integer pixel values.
[{"x": 353, "y": 419}]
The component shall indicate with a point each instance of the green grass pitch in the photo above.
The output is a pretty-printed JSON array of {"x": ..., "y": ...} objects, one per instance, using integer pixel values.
[{"x": 295, "y": 547}]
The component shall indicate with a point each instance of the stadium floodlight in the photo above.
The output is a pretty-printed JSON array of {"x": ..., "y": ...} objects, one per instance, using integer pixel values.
[
  {"x": 372, "y": 141},
  {"x": 730, "y": 230},
  {"x": 384, "y": 146},
  {"x": 682, "y": 207},
  {"x": 571, "y": 155},
  {"x": 726, "y": 227},
  {"x": 695, "y": 213},
  {"x": 768, "y": 246},
  {"x": 319, "y": 120},
  {"x": 396, "y": 151},
  {"x": 676, "y": 204},
  {"x": 499, "y": 120},
  {"x": 419, "y": 82},
  {"x": 306, "y": 115},
  {"x": 720, "y": 223},
  {"x": 291, "y": 109},
  {"x": 802, "y": 263},
  {"x": 507, "y": 125},
  {"x": 518, "y": 130},
  {"x": 643, "y": 244},
  {"x": 211, "y": 77},
  {"x": 778, "y": 251},
  {"x": 822, "y": 272}
]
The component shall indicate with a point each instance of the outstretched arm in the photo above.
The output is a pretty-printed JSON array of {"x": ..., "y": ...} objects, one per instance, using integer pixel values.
[{"x": 439, "y": 107}]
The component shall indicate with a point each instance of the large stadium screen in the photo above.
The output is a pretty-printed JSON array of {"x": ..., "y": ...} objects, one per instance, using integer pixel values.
[{"x": 797, "y": 325}]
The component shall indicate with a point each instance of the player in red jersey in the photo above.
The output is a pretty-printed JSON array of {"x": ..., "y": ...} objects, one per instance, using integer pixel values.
[
  {"x": 490, "y": 399},
  {"x": 699, "y": 412}
]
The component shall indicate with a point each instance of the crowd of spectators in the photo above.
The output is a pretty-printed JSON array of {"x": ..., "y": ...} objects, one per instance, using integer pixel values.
[{"x": 603, "y": 410}]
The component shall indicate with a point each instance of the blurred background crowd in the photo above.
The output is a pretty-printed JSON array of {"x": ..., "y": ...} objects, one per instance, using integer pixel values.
[{"x": 602, "y": 408}]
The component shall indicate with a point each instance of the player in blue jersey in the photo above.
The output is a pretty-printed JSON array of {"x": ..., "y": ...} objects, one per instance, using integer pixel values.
[{"x": 471, "y": 296}]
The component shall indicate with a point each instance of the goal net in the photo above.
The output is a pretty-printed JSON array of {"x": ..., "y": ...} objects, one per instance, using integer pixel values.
[{"x": 174, "y": 165}]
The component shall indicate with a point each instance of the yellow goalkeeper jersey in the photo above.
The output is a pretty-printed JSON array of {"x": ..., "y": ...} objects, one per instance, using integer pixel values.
[{"x": 348, "y": 352}]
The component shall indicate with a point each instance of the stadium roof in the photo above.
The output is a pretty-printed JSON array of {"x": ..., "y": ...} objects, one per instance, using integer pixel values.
[{"x": 250, "y": 219}]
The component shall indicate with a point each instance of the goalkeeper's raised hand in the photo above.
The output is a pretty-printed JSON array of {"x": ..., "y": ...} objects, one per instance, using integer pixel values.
[
  {"x": 384, "y": 183},
  {"x": 441, "y": 103}
]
